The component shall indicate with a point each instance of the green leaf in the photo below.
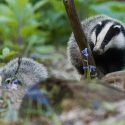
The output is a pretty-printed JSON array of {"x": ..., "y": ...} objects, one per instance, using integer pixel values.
[
  {"x": 57, "y": 5},
  {"x": 40, "y": 4},
  {"x": 18, "y": 3},
  {"x": 111, "y": 8},
  {"x": 27, "y": 30},
  {"x": 45, "y": 49},
  {"x": 118, "y": 7},
  {"x": 5, "y": 19},
  {"x": 8, "y": 55},
  {"x": 6, "y": 11}
]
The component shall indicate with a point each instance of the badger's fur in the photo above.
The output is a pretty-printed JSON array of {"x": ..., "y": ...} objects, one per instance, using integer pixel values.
[
  {"x": 30, "y": 72},
  {"x": 106, "y": 37}
]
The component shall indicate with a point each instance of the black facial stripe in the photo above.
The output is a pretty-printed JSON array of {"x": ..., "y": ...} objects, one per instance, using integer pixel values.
[
  {"x": 100, "y": 27},
  {"x": 123, "y": 30},
  {"x": 110, "y": 34}
]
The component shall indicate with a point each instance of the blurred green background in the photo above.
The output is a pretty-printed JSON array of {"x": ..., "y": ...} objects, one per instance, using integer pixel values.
[{"x": 40, "y": 26}]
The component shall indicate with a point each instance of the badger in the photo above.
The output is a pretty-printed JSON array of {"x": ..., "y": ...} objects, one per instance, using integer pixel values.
[
  {"x": 106, "y": 37},
  {"x": 27, "y": 72}
]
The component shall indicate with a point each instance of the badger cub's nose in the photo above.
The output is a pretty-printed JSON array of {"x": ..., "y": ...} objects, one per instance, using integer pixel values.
[{"x": 97, "y": 51}]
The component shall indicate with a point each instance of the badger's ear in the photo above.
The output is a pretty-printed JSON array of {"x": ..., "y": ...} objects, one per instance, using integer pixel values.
[{"x": 99, "y": 23}]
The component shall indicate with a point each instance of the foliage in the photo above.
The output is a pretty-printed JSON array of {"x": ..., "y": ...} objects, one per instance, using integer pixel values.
[
  {"x": 111, "y": 8},
  {"x": 45, "y": 22},
  {"x": 19, "y": 23},
  {"x": 54, "y": 21},
  {"x": 6, "y": 53},
  {"x": 33, "y": 23}
]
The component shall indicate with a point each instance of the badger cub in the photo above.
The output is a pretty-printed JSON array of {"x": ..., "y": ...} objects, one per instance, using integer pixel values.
[
  {"x": 26, "y": 72},
  {"x": 106, "y": 37}
]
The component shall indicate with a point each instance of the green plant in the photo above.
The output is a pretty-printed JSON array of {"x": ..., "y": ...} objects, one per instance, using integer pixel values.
[
  {"x": 19, "y": 23},
  {"x": 112, "y": 8},
  {"x": 54, "y": 21}
]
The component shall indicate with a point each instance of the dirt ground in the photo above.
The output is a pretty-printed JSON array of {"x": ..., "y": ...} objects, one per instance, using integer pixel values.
[{"x": 75, "y": 101}]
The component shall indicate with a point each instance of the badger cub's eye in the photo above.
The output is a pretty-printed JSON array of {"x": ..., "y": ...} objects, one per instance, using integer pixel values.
[{"x": 8, "y": 80}]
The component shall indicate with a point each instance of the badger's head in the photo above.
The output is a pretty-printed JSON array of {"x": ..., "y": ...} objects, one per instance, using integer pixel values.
[{"x": 107, "y": 34}]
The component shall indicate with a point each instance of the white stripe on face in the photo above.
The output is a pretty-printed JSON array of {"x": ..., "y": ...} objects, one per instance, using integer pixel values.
[
  {"x": 93, "y": 37},
  {"x": 102, "y": 35}
]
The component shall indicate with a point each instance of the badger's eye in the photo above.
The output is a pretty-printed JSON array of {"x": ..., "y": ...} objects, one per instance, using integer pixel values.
[
  {"x": 117, "y": 28},
  {"x": 8, "y": 80}
]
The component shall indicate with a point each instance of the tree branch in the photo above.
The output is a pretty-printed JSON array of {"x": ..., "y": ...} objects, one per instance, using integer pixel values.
[{"x": 78, "y": 31}]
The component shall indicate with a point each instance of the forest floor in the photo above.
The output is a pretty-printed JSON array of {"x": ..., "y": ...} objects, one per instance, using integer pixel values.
[
  {"x": 74, "y": 101},
  {"x": 93, "y": 104}
]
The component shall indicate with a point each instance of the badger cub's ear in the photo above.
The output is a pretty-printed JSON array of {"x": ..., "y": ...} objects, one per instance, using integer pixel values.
[{"x": 100, "y": 23}]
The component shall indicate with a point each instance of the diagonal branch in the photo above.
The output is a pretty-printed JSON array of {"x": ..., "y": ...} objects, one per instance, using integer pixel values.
[{"x": 78, "y": 31}]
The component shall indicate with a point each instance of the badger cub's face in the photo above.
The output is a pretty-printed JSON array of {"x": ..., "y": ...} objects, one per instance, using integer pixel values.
[
  {"x": 8, "y": 79},
  {"x": 107, "y": 34}
]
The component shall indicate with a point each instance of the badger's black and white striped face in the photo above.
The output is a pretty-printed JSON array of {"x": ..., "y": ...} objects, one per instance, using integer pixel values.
[{"x": 107, "y": 34}]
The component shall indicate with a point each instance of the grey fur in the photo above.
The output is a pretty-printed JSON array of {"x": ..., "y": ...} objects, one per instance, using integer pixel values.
[
  {"x": 29, "y": 73},
  {"x": 74, "y": 54}
]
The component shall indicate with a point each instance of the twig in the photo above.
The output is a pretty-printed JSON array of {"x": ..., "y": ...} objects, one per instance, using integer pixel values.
[{"x": 78, "y": 31}]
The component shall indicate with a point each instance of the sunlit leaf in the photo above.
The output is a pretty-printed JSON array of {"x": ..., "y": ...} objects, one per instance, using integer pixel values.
[
  {"x": 27, "y": 30},
  {"x": 57, "y": 4},
  {"x": 5, "y": 19},
  {"x": 112, "y": 8},
  {"x": 4, "y": 9},
  {"x": 20, "y": 3},
  {"x": 40, "y": 4},
  {"x": 45, "y": 49},
  {"x": 8, "y": 55}
]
